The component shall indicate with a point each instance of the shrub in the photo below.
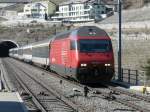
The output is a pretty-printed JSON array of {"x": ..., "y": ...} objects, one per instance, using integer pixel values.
[{"x": 147, "y": 69}]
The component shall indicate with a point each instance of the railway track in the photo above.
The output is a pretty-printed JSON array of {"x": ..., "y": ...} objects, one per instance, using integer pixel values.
[
  {"x": 46, "y": 98},
  {"x": 132, "y": 100},
  {"x": 23, "y": 90},
  {"x": 3, "y": 77},
  {"x": 132, "y": 94},
  {"x": 19, "y": 87},
  {"x": 111, "y": 95}
]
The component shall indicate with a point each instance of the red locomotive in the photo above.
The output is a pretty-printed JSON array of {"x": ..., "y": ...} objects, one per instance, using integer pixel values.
[{"x": 84, "y": 53}]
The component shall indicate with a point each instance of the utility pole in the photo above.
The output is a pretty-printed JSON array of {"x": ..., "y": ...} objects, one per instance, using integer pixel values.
[{"x": 119, "y": 42}]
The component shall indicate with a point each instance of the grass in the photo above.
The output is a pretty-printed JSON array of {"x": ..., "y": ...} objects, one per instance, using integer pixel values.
[
  {"x": 131, "y": 31},
  {"x": 4, "y": 29},
  {"x": 37, "y": 32},
  {"x": 147, "y": 69}
]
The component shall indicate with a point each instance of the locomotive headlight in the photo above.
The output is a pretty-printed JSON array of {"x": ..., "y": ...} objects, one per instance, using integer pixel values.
[
  {"x": 83, "y": 65},
  {"x": 107, "y": 64}
]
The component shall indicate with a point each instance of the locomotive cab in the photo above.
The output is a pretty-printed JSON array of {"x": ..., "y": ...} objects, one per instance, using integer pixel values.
[
  {"x": 93, "y": 55},
  {"x": 95, "y": 60},
  {"x": 84, "y": 53}
]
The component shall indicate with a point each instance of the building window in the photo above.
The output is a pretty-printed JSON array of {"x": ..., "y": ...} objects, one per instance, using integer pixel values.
[
  {"x": 85, "y": 12},
  {"x": 33, "y": 9},
  {"x": 86, "y": 7},
  {"x": 103, "y": 6},
  {"x": 80, "y": 7},
  {"x": 80, "y": 13},
  {"x": 99, "y": 12},
  {"x": 98, "y": 6},
  {"x": 103, "y": 12}
]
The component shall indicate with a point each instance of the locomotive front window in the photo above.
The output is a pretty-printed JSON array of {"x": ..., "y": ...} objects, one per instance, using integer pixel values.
[{"x": 94, "y": 45}]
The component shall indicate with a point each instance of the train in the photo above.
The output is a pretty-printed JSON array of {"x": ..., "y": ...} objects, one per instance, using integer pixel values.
[{"x": 84, "y": 54}]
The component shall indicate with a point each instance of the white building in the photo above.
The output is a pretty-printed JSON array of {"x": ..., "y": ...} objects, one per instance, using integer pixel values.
[
  {"x": 80, "y": 11},
  {"x": 40, "y": 9}
]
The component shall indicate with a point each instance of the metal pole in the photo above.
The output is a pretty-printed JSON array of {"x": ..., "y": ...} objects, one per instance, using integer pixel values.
[
  {"x": 137, "y": 77},
  {"x": 119, "y": 42}
]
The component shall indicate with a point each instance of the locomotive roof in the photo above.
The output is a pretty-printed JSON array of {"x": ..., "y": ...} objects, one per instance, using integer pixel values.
[
  {"x": 46, "y": 41},
  {"x": 27, "y": 46},
  {"x": 83, "y": 31}
]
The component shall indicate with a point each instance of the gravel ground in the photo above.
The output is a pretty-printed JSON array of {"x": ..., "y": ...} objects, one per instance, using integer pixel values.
[
  {"x": 93, "y": 103},
  {"x": 7, "y": 82},
  {"x": 130, "y": 98},
  {"x": 17, "y": 87},
  {"x": 48, "y": 99}
]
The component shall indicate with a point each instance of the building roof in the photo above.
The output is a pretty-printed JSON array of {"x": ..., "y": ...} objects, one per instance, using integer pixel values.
[
  {"x": 15, "y": 1},
  {"x": 11, "y": 102},
  {"x": 76, "y": 1}
]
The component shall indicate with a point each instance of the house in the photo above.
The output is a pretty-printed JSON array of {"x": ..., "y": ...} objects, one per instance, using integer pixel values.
[
  {"x": 41, "y": 9},
  {"x": 80, "y": 11}
]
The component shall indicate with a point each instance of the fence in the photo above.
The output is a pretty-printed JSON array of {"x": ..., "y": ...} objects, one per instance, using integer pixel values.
[{"x": 129, "y": 76}]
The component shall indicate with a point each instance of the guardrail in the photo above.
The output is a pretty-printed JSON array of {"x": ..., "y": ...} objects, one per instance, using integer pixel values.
[{"x": 129, "y": 76}]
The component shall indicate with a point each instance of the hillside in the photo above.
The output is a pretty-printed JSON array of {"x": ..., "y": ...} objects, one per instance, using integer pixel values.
[
  {"x": 126, "y": 3},
  {"x": 55, "y": 1},
  {"x": 14, "y": 7},
  {"x": 134, "y": 15}
]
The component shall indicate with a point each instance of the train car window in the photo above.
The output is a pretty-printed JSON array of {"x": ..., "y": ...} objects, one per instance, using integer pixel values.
[
  {"x": 42, "y": 52},
  {"x": 20, "y": 52},
  {"x": 27, "y": 51},
  {"x": 72, "y": 45},
  {"x": 12, "y": 51},
  {"x": 15, "y": 52},
  {"x": 95, "y": 45}
]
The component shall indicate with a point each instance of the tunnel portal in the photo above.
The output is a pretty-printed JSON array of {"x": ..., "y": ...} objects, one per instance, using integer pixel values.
[{"x": 5, "y": 46}]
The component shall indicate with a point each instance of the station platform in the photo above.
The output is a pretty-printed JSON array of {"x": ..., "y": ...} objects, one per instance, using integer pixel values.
[
  {"x": 11, "y": 102},
  {"x": 141, "y": 89}
]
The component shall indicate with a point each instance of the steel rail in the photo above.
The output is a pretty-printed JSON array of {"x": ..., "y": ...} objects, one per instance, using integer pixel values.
[
  {"x": 4, "y": 82},
  {"x": 122, "y": 101},
  {"x": 134, "y": 106},
  {"x": 58, "y": 95},
  {"x": 107, "y": 95},
  {"x": 119, "y": 90},
  {"x": 24, "y": 86},
  {"x": 35, "y": 100}
]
